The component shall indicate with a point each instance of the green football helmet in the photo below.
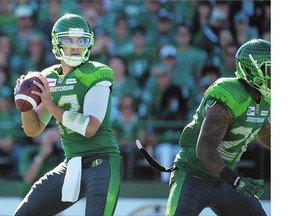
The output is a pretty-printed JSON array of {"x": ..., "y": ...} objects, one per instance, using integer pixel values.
[
  {"x": 64, "y": 30},
  {"x": 253, "y": 64}
]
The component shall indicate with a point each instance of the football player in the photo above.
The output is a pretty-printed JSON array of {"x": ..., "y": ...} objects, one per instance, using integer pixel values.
[
  {"x": 77, "y": 94},
  {"x": 233, "y": 113}
]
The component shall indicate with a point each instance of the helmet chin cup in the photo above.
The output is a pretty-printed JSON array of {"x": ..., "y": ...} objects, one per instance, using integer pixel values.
[{"x": 72, "y": 63}]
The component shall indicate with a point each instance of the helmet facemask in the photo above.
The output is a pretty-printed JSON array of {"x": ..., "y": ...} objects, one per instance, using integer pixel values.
[
  {"x": 61, "y": 40},
  {"x": 254, "y": 66},
  {"x": 261, "y": 81}
]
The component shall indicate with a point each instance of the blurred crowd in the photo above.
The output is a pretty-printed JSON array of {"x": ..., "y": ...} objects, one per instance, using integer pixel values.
[{"x": 164, "y": 55}]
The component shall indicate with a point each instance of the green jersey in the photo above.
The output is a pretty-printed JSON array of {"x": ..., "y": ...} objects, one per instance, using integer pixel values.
[
  {"x": 68, "y": 92},
  {"x": 249, "y": 118}
]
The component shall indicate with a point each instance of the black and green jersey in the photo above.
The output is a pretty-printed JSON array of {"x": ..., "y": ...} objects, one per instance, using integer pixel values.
[
  {"x": 68, "y": 92},
  {"x": 248, "y": 116}
]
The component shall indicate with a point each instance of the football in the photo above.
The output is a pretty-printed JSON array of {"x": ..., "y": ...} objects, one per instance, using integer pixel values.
[{"x": 26, "y": 101}]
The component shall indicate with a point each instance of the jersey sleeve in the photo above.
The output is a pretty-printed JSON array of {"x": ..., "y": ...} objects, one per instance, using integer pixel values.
[
  {"x": 92, "y": 73},
  {"x": 231, "y": 94}
]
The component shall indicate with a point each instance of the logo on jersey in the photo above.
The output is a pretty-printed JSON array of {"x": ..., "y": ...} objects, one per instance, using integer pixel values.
[
  {"x": 60, "y": 79},
  {"x": 96, "y": 162},
  {"x": 51, "y": 81},
  {"x": 61, "y": 88},
  {"x": 251, "y": 111},
  {"x": 71, "y": 81},
  {"x": 255, "y": 120},
  {"x": 264, "y": 113}
]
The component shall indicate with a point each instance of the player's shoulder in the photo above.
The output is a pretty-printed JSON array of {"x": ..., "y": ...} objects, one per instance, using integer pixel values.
[
  {"x": 52, "y": 69},
  {"x": 230, "y": 88},
  {"x": 91, "y": 67},
  {"x": 93, "y": 72},
  {"x": 231, "y": 93}
]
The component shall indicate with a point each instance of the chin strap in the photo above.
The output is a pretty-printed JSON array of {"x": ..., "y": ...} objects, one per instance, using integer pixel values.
[{"x": 151, "y": 160}]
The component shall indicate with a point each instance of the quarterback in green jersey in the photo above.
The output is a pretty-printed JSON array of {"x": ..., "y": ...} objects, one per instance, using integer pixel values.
[
  {"x": 233, "y": 113},
  {"x": 77, "y": 94}
]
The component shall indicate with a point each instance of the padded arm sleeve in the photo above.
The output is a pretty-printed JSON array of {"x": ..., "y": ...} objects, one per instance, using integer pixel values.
[{"x": 96, "y": 100}]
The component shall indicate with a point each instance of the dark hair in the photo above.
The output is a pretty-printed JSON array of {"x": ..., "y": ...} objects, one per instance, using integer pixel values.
[
  {"x": 180, "y": 113},
  {"x": 139, "y": 29},
  {"x": 210, "y": 69}
]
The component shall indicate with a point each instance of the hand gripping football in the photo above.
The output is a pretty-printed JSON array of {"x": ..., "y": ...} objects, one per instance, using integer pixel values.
[{"x": 26, "y": 101}]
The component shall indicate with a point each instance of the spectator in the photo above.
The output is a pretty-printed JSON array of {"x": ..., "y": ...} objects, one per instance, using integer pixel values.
[
  {"x": 40, "y": 157},
  {"x": 164, "y": 31},
  {"x": 184, "y": 12},
  {"x": 105, "y": 17},
  {"x": 203, "y": 9},
  {"x": 25, "y": 29},
  {"x": 141, "y": 57},
  {"x": 208, "y": 37},
  {"x": 159, "y": 80},
  {"x": 38, "y": 57},
  {"x": 209, "y": 74},
  {"x": 148, "y": 16},
  {"x": 243, "y": 31},
  {"x": 227, "y": 60},
  {"x": 128, "y": 127},
  {"x": 123, "y": 84},
  {"x": 9, "y": 62},
  {"x": 5, "y": 56},
  {"x": 225, "y": 37},
  {"x": 10, "y": 149},
  {"x": 258, "y": 12},
  {"x": 266, "y": 35},
  {"x": 168, "y": 55},
  {"x": 8, "y": 19},
  {"x": 168, "y": 126},
  {"x": 121, "y": 36},
  {"x": 189, "y": 60},
  {"x": 48, "y": 14},
  {"x": 211, "y": 71}
]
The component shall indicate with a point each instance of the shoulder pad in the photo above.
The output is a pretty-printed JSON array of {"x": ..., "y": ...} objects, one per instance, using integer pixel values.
[
  {"x": 94, "y": 72},
  {"x": 50, "y": 70},
  {"x": 231, "y": 93}
]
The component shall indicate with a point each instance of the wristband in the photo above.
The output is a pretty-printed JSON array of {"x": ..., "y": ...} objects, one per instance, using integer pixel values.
[
  {"x": 76, "y": 122},
  {"x": 229, "y": 176}
]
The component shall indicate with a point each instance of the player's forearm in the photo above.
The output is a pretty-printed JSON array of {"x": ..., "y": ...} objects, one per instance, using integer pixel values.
[
  {"x": 208, "y": 141},
  {"x": 264, "y": 134},
  {"x": 31, "y": 124},
  {"x": 210, "y": 158},
  {"x": 55, "y": 111},
  {"x": 265, "y": 139},
  {"x": 92, "y": 126},
  {"x": 213, "y": 130}
]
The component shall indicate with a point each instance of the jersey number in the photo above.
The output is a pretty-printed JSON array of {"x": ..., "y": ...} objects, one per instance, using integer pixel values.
[
  {"x": 69, "y": 99},
  {"x": 235, "y": 156}
]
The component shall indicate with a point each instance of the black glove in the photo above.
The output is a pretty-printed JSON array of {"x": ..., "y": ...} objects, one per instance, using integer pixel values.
[
  {"x": 247, "y": 186},
  {"x": 250, "y": 187}
]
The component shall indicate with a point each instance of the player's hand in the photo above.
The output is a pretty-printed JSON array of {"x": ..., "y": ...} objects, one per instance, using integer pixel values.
[
  {"x": 18, "y": 82},
  {"x": 45, "y": 94},
  {"x": 250, "y": 187}
]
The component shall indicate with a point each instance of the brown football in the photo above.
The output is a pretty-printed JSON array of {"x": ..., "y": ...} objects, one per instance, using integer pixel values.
[{"x": 26, "y": 101}]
